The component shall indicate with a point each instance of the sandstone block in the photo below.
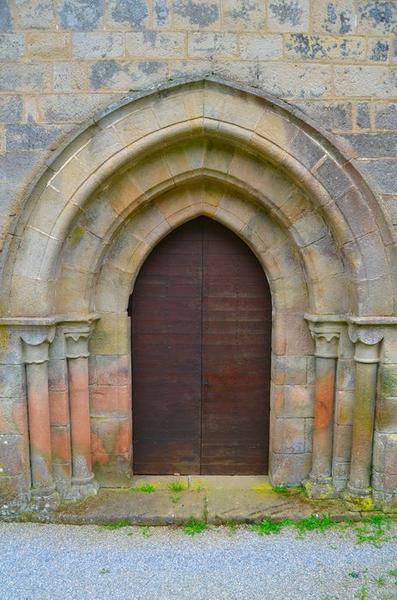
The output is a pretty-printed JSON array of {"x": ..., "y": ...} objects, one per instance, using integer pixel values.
[
  {"x": 32, "y": 137},
  {"x": 113, "y": 370},
  {"x": 198, "y": 15},
  {"x": 288, "y": 435},
  {"x": 330, "y": 115},
  {"x": 25, "y": 77},
  {"x": 239, "y": 15},
  {"x": 260, "y": 47},
  {"x": 126, "y": 76},
  {"x": 153, "y": 44},
  {"x": 290, "y": 469},
  {"x": 128, "y": 15},
  {"x": 332, "y": 177},
  {"x": 13, "y": 416},
  {"x": 11, "y": 109},
  {"x": 70, "y": 76},
  {"x": 111, "y": 335},
  {"x": 381, "y": 172},
  {"x": 162, "y": 14},
  {"x": 110, "y": 401},
  {"x": 288, "y": 15},
  {"x": 59, "y": 408},
  {"x": 377, "y": 17},
  {"x": 12, "y": 46},
  {"x": 71, "y": 107},
  {"x": 365, "y": 80},
  {"x": 48, "y": 45},
  {"x": 12, "y": 455},
  {"x": 386, "y": 116},
  {"x": 363, "y": 118},
  {"x": 335, "y": 16},
  {"x": 323, "y": 47},
  {"x": 378, "y": 50},
  {"x": 373, "y": 145},
  {"x": 343, "y": 442},
  {"x": 5, "y": 17},
  {"x": 12, "y": 381},
  {"x": 35, "y": 14},
  {"x": 99, "y": 44},
  {"x": 295, "y": 80},
  {"x": 208, "y": 44}
]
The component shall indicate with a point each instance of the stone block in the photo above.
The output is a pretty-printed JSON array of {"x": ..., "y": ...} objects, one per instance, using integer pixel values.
[
  {"x": 71, "y": 107},
  {"x": 110, "y": 437},
  {"x": 331, "y": 175},
  {"x": 378, "y": 50},
  {"x": 289, "y": 80},
  {"x": 288, "y": 435},
  {"x": 13, "y": 490},
  {"x": 197, "y": 15},
  {"x": 363, "y": 118},
  {"x": 372, "y": 145},
  {"x": 89, "y": 45},
  {"x": 294, "y": 401},
  {"x": 342, "y": 442},
  {"x": 324, "y": 47},
  {"x": 382, "y": 173},
  {"x": 290, "y": 370},
  {"x": 81, "y": 15},
  {"x": 110, "y": 401},
  {"x": 6, "y": 23},
  {"x": 289, "y": 469},
  {"x": 11, "y": 109},
  {"x": 57, "y": 374},
  {"x": 386, "y": 415},
  {"x": 345, "y": 375},
  {"x": 309, "y": 228},
  {"x": 111, "y": 335},
  {"x": 25, "y": 77},
  {"x": 260, "y": 47},
  {"x": 35, "y": 14},
  {"x": 354, "y": 80},
  {"x": 376, "y": 17},
  {"x": 48, "y": 45},
  {"x": 32, "y": 137},
  {"x": 209, "y": 44},
  {"x": 153, "y": 44},
  {"x": 113, "y": 370},
  {"x": 13, "y": 416},
  {"x": 60, "y": 445},
  {"x": 344, "y": 400},
  {"x": 126, "y": 76},
  {"x": 288, "y": 15},
  {"x": 385, "y": 116},
  {"x": 355, "y": 210},
  {"x": 240, "y": 15},
  {"x": 12, "y": 381},
  {"x": 70, "y": 76},
  {"x": 123, "y": 14},
  {"x": 334, "y": 16},
  {"x": 12, "y": 455},
  {"x": 329, "y": 115},
  {"x": 162, "y": 14},
  {"x": 12, "y": 46}
]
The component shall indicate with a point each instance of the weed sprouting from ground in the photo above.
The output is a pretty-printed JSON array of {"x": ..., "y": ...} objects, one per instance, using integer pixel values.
[
  {"x": 175, "y": 499},
  {"x": 104, "y": 571},
  {"x": 268, "y": 527},
  {"x": 144, "y": 488},
  {"x": 232, "y": 527},
  {"x": 194, "y": 526},
  {"x": 375, "y": 529},
  {"x": 280, "y": 489},
  {"x": 146, "y": 532},
  {"x": 117, "y": 524},
  {"x": 315, "y": 523},
  {"x": 177, "y": 486}
]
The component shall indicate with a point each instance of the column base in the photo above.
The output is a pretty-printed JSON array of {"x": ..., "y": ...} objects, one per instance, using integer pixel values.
[
  {"x": 44, "y": 499},
  {"x": 320, "y": 488},
  {"x": 82, "y": 488},
  {"x": 386, "y": 501},
  {"x": 360, "y": 498}
]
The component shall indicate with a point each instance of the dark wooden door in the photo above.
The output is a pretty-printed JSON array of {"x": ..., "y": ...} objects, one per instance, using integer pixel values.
[{"x": 201, "y": 343}]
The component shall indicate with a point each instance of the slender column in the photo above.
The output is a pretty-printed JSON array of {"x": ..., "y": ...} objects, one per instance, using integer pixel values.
[
  {"x": 326, "y": 338},
  {"x": 366, "y": 358},
  {"x": 77, "y": 354},
  {"x": 35, "y": 349}
]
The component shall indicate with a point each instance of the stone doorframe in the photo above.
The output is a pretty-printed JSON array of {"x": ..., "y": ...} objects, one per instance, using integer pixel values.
[{"x": 137, "y": 171}]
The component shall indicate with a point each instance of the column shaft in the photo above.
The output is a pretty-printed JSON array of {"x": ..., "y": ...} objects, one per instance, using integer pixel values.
[
  {"x": 80, "y": 420},
  {"x": 323, "y": 418},
  {"x": 363, "y": 427},
  {"x": 39, "y": 426}
]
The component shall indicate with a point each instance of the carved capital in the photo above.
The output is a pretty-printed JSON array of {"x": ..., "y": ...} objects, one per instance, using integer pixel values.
[
  {"x": 326, "y": 332},
  {"x": 366, "y": 339},
  {"x": 76, "y": 337},
  {"x": 36, "y": 341}
]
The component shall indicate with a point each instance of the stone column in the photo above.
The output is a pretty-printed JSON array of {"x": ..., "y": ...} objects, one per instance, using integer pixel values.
[
  {"x": 326, "y": 339},
  {"x": 77, "y": 355},
  {"x": 366, "y": 356},
  {"x": 35, "y": 354}
]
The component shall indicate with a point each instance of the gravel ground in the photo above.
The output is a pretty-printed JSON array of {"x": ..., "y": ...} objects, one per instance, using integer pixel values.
[{"x": 51, "y": 562}]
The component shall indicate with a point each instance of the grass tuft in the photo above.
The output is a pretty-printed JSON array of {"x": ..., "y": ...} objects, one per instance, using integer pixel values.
[
  {"x": 177, "y": 486},
  {"x": 268, "y": 527},
  {"x": 194, "y": 526},
  {"x": 315, "y": 523},
  {"x": 117, "y": 524},
  {"x": 144, "y": 488},
  {"x": 280, "y": 489}
]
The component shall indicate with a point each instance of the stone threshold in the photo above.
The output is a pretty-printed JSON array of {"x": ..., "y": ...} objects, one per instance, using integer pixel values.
[{"x": 157, "y": 500}]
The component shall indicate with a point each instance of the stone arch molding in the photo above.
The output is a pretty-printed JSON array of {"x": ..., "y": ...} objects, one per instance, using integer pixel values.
[{"x": 110, "y": 195}]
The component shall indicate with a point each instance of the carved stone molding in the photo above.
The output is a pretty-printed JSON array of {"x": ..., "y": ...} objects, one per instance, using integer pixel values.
[
  {"x": 325, "y": 330},
  {"x": 36, "y": 342},
  {"x": 366, "y": 339}
]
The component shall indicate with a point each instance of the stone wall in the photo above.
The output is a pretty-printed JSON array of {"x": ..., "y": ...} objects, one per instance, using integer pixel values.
[{"x": 61, "y": 61}]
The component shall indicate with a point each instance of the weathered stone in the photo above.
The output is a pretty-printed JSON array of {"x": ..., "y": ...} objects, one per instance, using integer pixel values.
[
  {"x": 322, "y": 47},
  {"x": 5, "y": 16},
  {"x": 72, "y": 107},
  {"x": 240, "y": 15},
  {"x": 99, "y": 44},
  {"x": 25, "y": 77},
  {"x": 162, "y": 13},
  {"x": 288, "y": 15},
  {"x": 386, "y": 116},
  {"x": 332, "y": 178},
  {"x": 12, "y": 46},
  {"x": 11, "y": 109},
  {"x": 196, "y": 14},
  {"x": 35, "y": 14},
  {"x": 208, "y": 44},
  {"x": 382, "y": 173},
  {"x": 135, "y": 75},
  {"x": 365, "y": 81},
  {"x": 377, "y": 17},
  {"x": 70, "y": 76},
  {"x": 363, "y": 115},
  {"x": 378, "y": 50},
  {"x": 299, "y": 81},
  {"x": 153, "y": 44},
  {"x": 80, "y": 14},
  {"x": 260, "y": 47},
  {"x": 334, "y": 16},
  {"x": 290, "y": 469},
  {"x": 31, "y": 137},
  {"x": 330, "y": 115},
  {"x": 372, "y": 145},
  {"x": 12, "y": 455},
  {"x": 128, "y": 15}
]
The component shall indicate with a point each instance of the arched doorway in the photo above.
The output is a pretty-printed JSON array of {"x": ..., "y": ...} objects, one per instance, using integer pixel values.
[{"x": 201, "y": 346}]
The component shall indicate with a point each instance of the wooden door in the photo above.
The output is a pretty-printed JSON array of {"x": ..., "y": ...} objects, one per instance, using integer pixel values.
[{"x": 201, "y": 343}]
